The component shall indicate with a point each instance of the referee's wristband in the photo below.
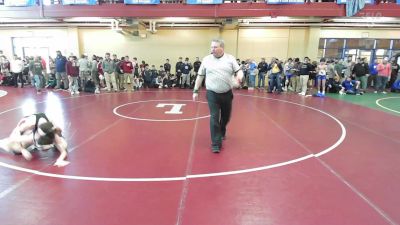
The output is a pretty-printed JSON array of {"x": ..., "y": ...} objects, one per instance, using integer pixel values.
[{"x": 196, "y": 91}]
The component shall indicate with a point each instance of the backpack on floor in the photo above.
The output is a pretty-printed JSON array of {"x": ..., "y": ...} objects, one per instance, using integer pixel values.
[
  {"x": 90, "y": 87},
  {"x": 8, "y": 81}
]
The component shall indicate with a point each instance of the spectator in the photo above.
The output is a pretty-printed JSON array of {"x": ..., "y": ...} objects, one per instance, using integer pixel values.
[
  {"x": 72, "y": 70},
  {"x": 360, "y": 71},
  {"x": 84, "y": 71},
  {"x": 384, "y": 71},
  {"x": 305, "y": 68},
  {"x": 109, "y": 73},
  {"x": 186, "y": 67},
  {"x": 128, "y": 67},
  {"x": 275, "y": 76},
  {"x": 251, "y": 70},
  {"x": 167, "y": 66},
  {"x": 36, "y": 69},
  {"x": 262, "y": 70},
  {"x": 288, "y": 69},
  {"x": 350, "y": 86},
  {"x": 373, "y": 72},
  {"x": 61, "y": 75},
  {"x": 95, "y": 74},
  {"x": 178, "y": 71},
  {"x": 395, "y": 70},
  {"x": 196, "y": 66},
  {"x": 16, "y": 68}
]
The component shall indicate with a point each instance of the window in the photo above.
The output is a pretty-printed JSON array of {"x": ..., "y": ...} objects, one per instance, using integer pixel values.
[
  {"x": 383, "y": 43},
  {"x": 352, "y": 43},
  {"x": 332, "y": 53},
  {"x": 367, "y": 43},
  {"x": 396, "y": 44},
  {"x": 334, "y": 43}
]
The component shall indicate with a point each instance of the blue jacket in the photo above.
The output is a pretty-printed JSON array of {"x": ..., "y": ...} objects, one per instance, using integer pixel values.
[
  {"x": 186, "y": 68},
  {"x": 60, "y": 63},
  {"x": 373, "y": 69},
  {"x": 252, "y": 68}
]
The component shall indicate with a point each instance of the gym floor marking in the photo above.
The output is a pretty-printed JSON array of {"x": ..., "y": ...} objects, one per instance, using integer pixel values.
[
  {"x": 3, "y": 93},
  {"x": 115, "y": 111},
  {"x": 384, "y": 107},
  {"x": 164, "y": 179}
]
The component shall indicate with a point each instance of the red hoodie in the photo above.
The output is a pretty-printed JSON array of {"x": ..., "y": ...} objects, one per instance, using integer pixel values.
[
  {"x": 72, "y": 68},
  {"x": 100, "y": 68},
  {"x": 127, "y": 66}
]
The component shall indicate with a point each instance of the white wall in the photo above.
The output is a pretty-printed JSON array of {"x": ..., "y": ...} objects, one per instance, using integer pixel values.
[{"x": 174, "y": 42}]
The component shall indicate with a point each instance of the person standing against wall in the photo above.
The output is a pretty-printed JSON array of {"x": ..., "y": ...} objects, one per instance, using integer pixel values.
[
  {"x": 84, "y": 70},
  {"x": 178, "y": 70},
  {"x": 373, "y": 72},
  {"x": 167, "y": 66},
  {"x": 304, "y": 74},
  {"x": 36, "y": 69},
  {"x": 360, "y": 71},
  {"x": 16, "y": 68},
  {"x": 109, "y": 73},
  {"x": 72, "y": 70},
  {"x": 186, "y": 67},
  {"x": 220, "y": 69},
  {"x": 61, "y": 75},
  {"x": 384, "y": 71}
]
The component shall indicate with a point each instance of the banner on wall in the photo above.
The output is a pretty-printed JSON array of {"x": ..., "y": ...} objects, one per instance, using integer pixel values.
[
  {"x": 19, "y": 2},
  {"x": 140, "y": 2},
  {"x": 284, "y": 1},
  {"x": 79, "y": 2},
  {"x": 204, "y": 2},
  {"x": 366, "y": 1}
]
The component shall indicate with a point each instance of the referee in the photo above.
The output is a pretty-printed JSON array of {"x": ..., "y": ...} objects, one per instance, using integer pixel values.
[{"x": 221, "y": 70}]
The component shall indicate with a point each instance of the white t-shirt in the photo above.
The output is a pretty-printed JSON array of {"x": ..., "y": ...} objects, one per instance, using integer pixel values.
[
  {"x": 16, "y": 66},
  {"x": 219, "y": 72}
]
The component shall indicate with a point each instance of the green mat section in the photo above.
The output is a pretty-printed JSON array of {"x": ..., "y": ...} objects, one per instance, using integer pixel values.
[{"x": 389, "y": 100}]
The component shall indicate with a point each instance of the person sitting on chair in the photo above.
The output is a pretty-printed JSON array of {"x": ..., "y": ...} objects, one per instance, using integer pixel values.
[{"x": 36, "y": 132}]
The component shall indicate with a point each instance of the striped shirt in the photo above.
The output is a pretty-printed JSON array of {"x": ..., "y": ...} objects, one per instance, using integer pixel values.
[{"x": 219, "y": 72}]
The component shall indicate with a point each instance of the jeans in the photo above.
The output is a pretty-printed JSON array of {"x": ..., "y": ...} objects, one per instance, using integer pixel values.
[
  {"x": 261, "y": 79},
  {"x": 252, "y": 80},
  {"x": 275, "y": 81},
  {"x": 380, "y": 83},
  {"x": 73, "y": 84},
  {"x": 38, "y": 81},
  {"x": 220, "y": 105}
]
